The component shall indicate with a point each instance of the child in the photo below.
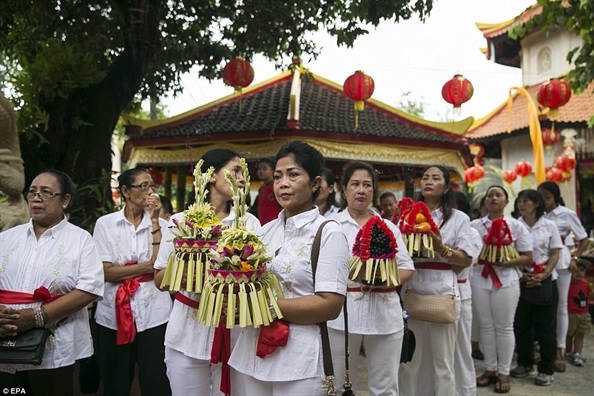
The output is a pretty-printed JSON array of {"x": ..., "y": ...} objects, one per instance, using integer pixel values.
[{"x": 579, "y": 318}]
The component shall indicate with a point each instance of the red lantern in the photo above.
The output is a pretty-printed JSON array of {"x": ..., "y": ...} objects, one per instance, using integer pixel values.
[
  {"x": 549, "y": 137},
  {"x": 478, "y": 172},
  {"x": 157, "y": 176},
  {"x": 565, "y": 163},
  {"x": 238, "y": 73},
  {"x": 523, "y": 168},
  {"x": 358, "y": 87},
  {"x": 553, "y": 94},
  {"x": 469, "y": 176},
  {"x": 509, "y": 176},
  {"x": 456, "y": 91},
  {"x": 554, "y": 174}
]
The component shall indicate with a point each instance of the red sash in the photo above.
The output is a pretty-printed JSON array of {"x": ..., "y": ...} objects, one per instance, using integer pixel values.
[
  {"x": 221, "y": 351},
  {"x": 538, "y": 268},
  {"x": 40, "y": 294},
  {"x": 462, "y": 280},
  {"x": 125, "y": 320},
  {"x": 488, "y": 270},
  {"x": 182, "y": 298},
  {"x": 433, "y": 265},
  {"x": 364, "y": 289}
]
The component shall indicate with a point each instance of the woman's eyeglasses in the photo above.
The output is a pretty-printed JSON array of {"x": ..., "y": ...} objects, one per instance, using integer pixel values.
[
  {"x": 43, "y": 195},
  {"x": 144, "y": 186}
]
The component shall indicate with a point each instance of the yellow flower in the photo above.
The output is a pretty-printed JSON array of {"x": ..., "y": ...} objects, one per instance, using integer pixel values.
[{"x": 246, "y": 267}]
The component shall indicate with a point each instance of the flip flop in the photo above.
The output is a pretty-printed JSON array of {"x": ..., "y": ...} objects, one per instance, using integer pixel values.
[
  {"x": 486, "y": 380},
  {"x": 499, "y": 383}
]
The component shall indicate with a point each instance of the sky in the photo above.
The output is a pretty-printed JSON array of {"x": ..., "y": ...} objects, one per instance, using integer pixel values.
[{"x": 410, "y": 56}]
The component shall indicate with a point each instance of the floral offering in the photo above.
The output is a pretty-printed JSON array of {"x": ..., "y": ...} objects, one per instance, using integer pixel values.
[
  {"x": 498, "y": 243},
  {"x": 375, "y": 249},
  {"x": 416, "y": 224},
  {"x": 237, "y": 281},
  {"x": 194, "y": 236}
]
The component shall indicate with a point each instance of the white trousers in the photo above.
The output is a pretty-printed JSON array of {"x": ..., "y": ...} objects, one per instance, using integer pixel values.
[
  {"x": 463, "y": 363},
  {"x": 244, "y": 385},
  {"x": 189, "y": 376},
  {"x": 563, "y": 281},
  {"x": 434, "y": 353},
  {"x": 383, "y": 360},
  {"x": 496, "y": 309}
]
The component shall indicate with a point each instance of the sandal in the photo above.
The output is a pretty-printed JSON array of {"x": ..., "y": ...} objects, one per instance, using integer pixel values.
[
  {"x": 486, "y": 380},
  {"x": 502, "y": 385}
]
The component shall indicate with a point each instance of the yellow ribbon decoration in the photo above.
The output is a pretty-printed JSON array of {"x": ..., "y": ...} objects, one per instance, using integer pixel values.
[{"x": 535, "y": 133}]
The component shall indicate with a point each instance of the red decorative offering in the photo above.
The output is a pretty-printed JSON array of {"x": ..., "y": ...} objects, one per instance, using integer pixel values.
[
  {"x": 498, "y": 243},
  {"x": 416, "y": 225},
  {"x": 375, "y": 248}
]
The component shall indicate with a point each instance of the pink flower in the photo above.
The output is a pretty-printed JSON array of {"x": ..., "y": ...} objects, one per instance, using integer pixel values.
[
  {"x": 247, "y": 252},
  {"x": 216, "y": 229},
  {"x": 228, "y": 252},
  {"x": 175, "y": 221}
]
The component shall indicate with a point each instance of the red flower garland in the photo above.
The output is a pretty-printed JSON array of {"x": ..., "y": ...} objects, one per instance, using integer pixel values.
[
  {"x": 364, "y": 236},
  {"x": 499, "y": 234},
  {"x": 401, "y": 209}
]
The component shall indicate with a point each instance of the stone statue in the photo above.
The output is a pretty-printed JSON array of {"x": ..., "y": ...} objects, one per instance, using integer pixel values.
[{"x": 12, "y": 174}]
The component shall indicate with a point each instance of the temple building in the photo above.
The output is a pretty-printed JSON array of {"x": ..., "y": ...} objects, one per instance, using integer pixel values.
[{"x": 298, "y": 104}]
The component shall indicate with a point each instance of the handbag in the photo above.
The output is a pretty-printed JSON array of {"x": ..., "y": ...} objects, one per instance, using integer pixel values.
[
  {"x": 24, "y": 348},
  {"x": 434, "y": 308},
  {"x": 538, "y": 295},
  {"x": 409, "y": 343}
]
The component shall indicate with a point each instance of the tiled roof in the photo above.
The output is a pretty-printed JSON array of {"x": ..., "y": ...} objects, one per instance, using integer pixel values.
[
  {"x": 324, "y": 111},
  {"x": 579, "y": 109}
]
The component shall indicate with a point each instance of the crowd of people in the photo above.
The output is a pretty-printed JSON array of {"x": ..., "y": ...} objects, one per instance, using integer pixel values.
[{"x": 53, "y": 271}]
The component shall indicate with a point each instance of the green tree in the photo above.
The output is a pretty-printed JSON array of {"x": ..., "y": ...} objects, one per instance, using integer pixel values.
[
  {"x": 578, "y": 17},
  {"x": 411, "y": 105},
  {"x": 76, "y": 65}
]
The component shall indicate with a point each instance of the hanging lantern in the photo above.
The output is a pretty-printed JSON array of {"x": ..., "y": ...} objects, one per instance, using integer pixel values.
[
  {"x": 549, "y": 137},
  {"x": 469, "y": 178},
  {"x": 238, "y": 73},
  {"x": 553, "y": 94},
  {"x": 478, "y": 172},
  {"x": 566, "y": 177},
  {"x": 523, "y": 168},
  {"x": 509, "y": 176},
  {"x": 565, "y": 163},
  {"x": 358, "y": 87},
  {"x": 456, "y": 91},
  {"x": 157, "y": 176},
  {"x": 554, "y": 174}
]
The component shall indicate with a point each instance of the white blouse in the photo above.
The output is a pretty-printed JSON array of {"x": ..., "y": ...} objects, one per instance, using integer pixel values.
[
  {"x": 372, "y": 313},
  {"x": 521, "y": 242},
  {"x": 545, "y": 237},
  {"x": 463, "y": 276},
  {"x": 456, "y": 234},
  {"x": 292, "y": 243},
  {"x": 566, "y": 221},
  {"x": 118, "y": 243},
  {"x": 63, "y": 259},
  {"x": 184, "y": 334}
]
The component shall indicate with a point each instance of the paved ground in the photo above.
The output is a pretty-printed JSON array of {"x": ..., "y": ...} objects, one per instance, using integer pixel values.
[{"x": 576, "y": 381}]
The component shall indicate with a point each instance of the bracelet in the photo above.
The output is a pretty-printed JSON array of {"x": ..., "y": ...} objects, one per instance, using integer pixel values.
[
  {"x": 156, "y": 243},
  {"x": 45, "y": 314},
  {"x": 155, "y": 231},
  {"x": 38, "y": 315},
  {"x": 447, "y": 252},
  {"x": 576, "y": 258}
]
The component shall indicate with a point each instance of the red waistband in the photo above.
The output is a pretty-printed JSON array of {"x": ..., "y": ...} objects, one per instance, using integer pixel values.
[
  {"x": 182, "y": 298},
  {"x": 40, "y": 294},
  {"x": 365, "y": 289},
  {"x": 462, "y": 280},
  {"x": 434, "y": 265}
]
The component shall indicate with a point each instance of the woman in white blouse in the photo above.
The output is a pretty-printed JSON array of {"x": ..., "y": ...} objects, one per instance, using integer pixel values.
[
  {"x": 133, "y": 314},
  {"x": 53, "y": 266},
  {"x": 454, "y": 251},
  {"x": 326, "y": 201},
  {"x": 188, "y": 344},
  {"x": 536, "y": 321},
  {"x": 495, "y": 293},
  {"x": 296, "y": 369},
  {"x": 567, "y": 222},
  {"x": 374, "y": 312}
]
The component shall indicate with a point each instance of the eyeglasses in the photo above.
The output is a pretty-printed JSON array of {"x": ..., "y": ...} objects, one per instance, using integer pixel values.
[
  {"x": 144, "y": 186},
  {"x": 43, "y": 195}
]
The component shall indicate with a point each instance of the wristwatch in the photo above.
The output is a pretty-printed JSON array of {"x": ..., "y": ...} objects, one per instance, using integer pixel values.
[{"x": 448, "y": 251}]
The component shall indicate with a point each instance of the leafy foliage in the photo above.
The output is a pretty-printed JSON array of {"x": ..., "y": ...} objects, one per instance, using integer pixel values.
[{"x": 76, "y": 65}]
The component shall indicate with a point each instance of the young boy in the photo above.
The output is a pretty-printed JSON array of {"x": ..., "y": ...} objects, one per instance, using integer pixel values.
[{"x": 579, "y": 318}]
